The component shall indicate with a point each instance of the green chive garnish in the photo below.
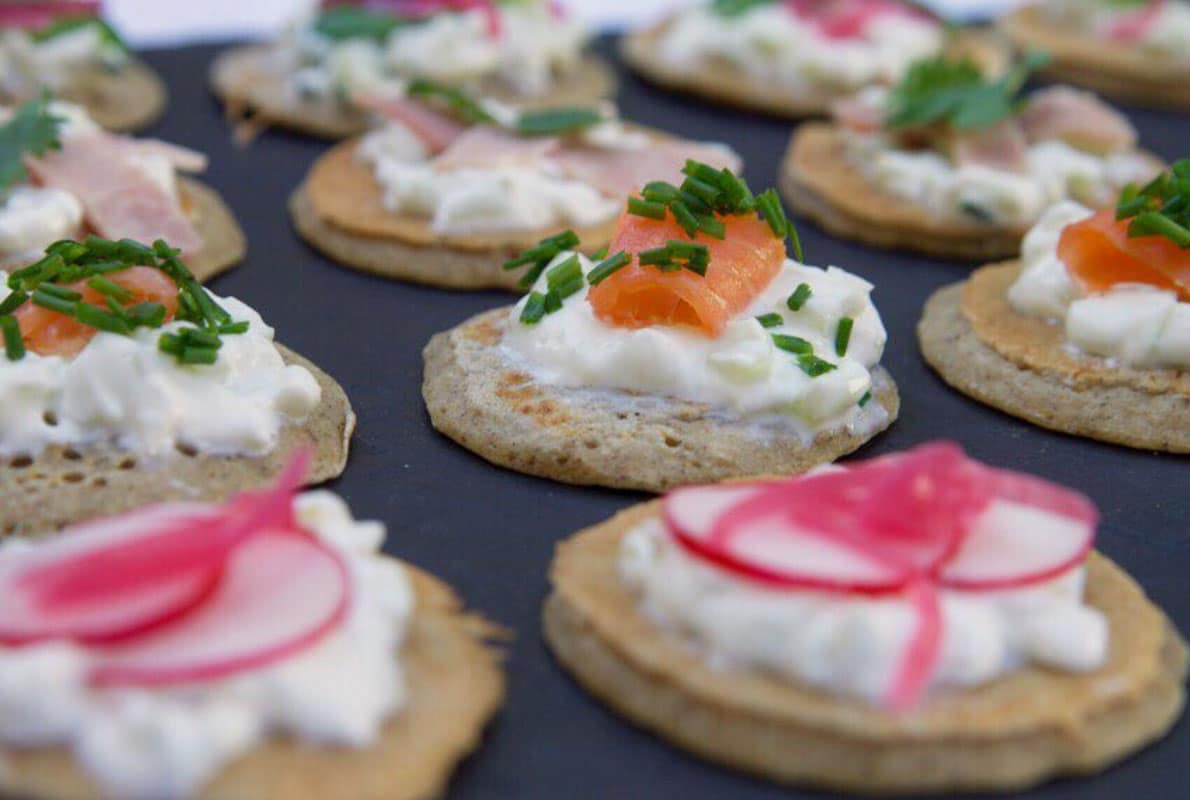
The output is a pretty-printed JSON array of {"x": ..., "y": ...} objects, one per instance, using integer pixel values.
[
  {"x": 534, "y": 309},
  {"x": 843, "y": 336},
  {"x": 654, "y": 257},
  {"x": 199, "y": 355},
  {"x": 799, "y": 297},
  {"x": 554, "y": 121},
  {"x": 712, "y": 226},
  {"x": 14, "y": 346},
  {"x": 100, "y": 319},
  {"x": 814, "y": 366},
  {"x": 110, "y": 289},
  {"x": 773, "y": 320},
  {"x": 14, "y": 301},
  {"x": 148, "y": 315},
  {"x": 684, "y": 217},
  {"x": 867, "y": 398},
  {"x": 61, "y": 292},
  {"x": 646, "y": 208},
  {"x": 51, "y": 301},
  {"x": 608, "y": 267},
  {"x": 553, "y": 301},
  {"x": 792, "y": 344}
]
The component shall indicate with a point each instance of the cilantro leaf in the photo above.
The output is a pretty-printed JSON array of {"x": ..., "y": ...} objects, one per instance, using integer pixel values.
[
  {"x": 65, "y": 25},
  {"x": 352, "y": 22},
  {"x": 33, "y": 130}
]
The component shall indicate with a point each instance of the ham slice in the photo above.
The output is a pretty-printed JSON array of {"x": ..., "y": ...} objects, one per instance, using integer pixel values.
[
  {"x": 1002, "y": 146},
  {"x": 436, "y": 129},
  {"x": 183, "y": 159},
  {"x": 618, "y": 173},
  {"x": 1078, "y": 118},
  {"x": 858, "y": 114},
  {"x": 119, "y": 198},
  {"x": 486, "y": 146}
]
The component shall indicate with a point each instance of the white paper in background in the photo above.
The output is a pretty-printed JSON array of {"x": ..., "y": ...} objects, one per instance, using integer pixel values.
[{"x": 160, "y": 23}]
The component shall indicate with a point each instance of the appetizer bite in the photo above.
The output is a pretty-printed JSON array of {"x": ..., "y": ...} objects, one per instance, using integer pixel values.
[
  {"x": 953, "y": 164},
  {"x": 791, "y": 57},
  {"x": 64, "y": 47},
  {"x": 692, "y": 350},
  {"x": 915, "y": 623},
  {"x": 261, "y": 649},
  {"x": 452, "y": 187},
  {"x": 1089, "y": 331},
  {"x": 1135, "y": 51},
  {"x": 62, "y": 177},
  {"x": 123, "y": 381},
  {"x": 526, "y": 52}
]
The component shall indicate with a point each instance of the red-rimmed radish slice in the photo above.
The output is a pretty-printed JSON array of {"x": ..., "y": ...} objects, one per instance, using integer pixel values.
[
  {"x": 849, "y": 19},
  {"x": 1013, "y": 546},
  {"x": 921, "y": 656},
  {"x": 26, "y": 617},
  {"x": 177, "y": 549},
  {"x": 281, "y": 592},
  {"x": 1134, "y": 25},
  {"x": 39, "y": 15},
  {"x": 765, "y": 547}
]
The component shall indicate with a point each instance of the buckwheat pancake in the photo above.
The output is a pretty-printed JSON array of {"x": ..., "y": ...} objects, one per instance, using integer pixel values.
[
  {"x": 123, "y": 100},
  {"x": 1118, "y": 71},
  {"x": 819, "y": 180},
  {"x": 1006, "y": 735},
  {"x": 721, "y": 81},
  {"x": 68, "y": 484},
  {"x": 981, "y": 346},
  {"x": 455, "y": 685},
  {"x": 223, "y": 240},
  {"x": 339, "y": 209},
  {"x": 478, "y": 398},
  {"x": 253, "y": 89}
]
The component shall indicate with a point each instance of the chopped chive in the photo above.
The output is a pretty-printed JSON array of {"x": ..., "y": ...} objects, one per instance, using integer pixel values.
[
  {"x": 799, "y": 297},
  {"x": 568, "y": 271},
  {"x": 773, "y": 320},
  {"x": 195, "y": 337},
  {"x": 684, "y": 217},
  {"x": 693, "y": 202},
  {"x": 67, "y": 249},
  {"x": 702, "y": 172},
  {"x": 843, "y": 336},
  {"x": 235, "y": 328},
  {"x": 531, "y": 276},
  {"x": 52, "y": 302},
  {"x": 96, "y": 317},
  {"x": 814, "y": 366},
  {"x": 199, "y": 355},
  {"x": 534, "y": 309},
  {"x": 566, "y": 289},
  {"x": 14, "y": 301},
  {"x": 689, "y": 250},
  {"x": 551, "y": 121},
  {"x": 708, "y": 193},
  {"x": 110, "y": 289},
  {"x": 654, "y": 257},
  {"x": 553, "y": 301},
  {"x": 60, "y": 292},
  {"x": 599, "y": 254},
  {"x": 792, "y": 344},
  {"x": 608, "y": 267},
  {"x": 774, "y": 213},
  {"x": 171, "y": 344},
  {"x": 148, "y": 315},
  {"x": 660, "y": 192},
  {"x": 867, "y": 398},
  {"x": 14, "y": 345},
  {"x": 646, "y": 208},
  {"x": 712, "y": 226}
]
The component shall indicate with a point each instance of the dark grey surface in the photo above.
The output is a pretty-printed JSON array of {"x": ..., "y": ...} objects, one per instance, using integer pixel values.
[{"x": 491, "y": 532}]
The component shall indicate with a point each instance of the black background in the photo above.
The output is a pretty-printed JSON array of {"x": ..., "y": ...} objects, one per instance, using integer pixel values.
[{"x": 491, "y": 533}]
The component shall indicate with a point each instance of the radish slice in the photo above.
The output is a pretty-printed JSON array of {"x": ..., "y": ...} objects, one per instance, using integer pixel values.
[
  {"x": 1013, "y": 546},
  {"x": 1133, "y": 26},
  {"x": 32, "y": 16},
  {"x": 281, "y": 592},
  {"x": 917, "y": 666},
  {"x": 849, "y": 19},
  {"x": 24, "y": 616}
]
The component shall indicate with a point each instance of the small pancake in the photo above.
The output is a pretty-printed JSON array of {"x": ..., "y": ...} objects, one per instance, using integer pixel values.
[
  {"x": 979, "y": 345},
  {"x": 122, "y": 100},
  {"x": 248, "y": 81},
  {"x": 339, "y": 210},
  {"x": 1119, "y": 71},
  {"x": 725, "y": 82},
  {"x": 454, "y": 684},
  {"x": 818, "y": 179},
  {"x": 68, "y": 484},
  {"x": 476, "y": 397},
  {"x": 223, "y": 244},
  {"x": 1010, "y": 734}
]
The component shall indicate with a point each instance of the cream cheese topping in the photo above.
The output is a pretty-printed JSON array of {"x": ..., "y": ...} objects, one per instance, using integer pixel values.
[
  {"x": 1166, "y": 36},
  {"x": 123, "y": 390},
  {"x": 1056, "y": 171},
  {"x": 56, "y": 62},
  {"x": 1131, "y": 324},
  {"x": 852, "y": 645},
  {"x": 165, "y": 743},
  {"x": 742, "y": 372},
  {"x": 534, "y": 47},
  {"x": 470, "y": 200},
  {"x": 772, "y": 44}
]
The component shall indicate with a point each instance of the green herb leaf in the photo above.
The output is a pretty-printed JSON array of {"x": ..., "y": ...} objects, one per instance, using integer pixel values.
[
  {"x": 33, "y": 130},
  {"x": 1161, "y": 208},
  {"x": 65, "y": 25},
  {"x": 461, "y": 105},
  {"x": 353, "y": 22},
  {"x": 14, "y": 345},
  {"x": 557, "y": 121}
]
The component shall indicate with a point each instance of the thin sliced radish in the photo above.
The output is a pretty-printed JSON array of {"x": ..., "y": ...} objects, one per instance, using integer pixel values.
[
  {"x": 1013, "y": 546},
  {"x": 917, "y": 665},
  {"x": 24, "y": 616},
  {"x": 39, "y": 15},
  {"x": 281, "y": 592}
]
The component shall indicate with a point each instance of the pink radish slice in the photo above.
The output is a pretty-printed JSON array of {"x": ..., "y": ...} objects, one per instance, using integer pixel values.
[
  {"x": 921, "y": 656},
  {"x": 281, "y": 592},
  {"x": 849, "y": 19},
  {"x": 32, "y": 16},
  {"x": 1134, "y": 25},
  {"x": 24, "y": 616}
]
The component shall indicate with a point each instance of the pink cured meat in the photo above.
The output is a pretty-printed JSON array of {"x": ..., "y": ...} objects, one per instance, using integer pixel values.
[
  {"x": 119, "y": 198},
  {"x": 620, "y": 172},
  {"x": 436, "y": 129},
  {"x": 486, "y": 146},
  {"x": 32, "y": 16},
  {"x": 1081, "y": 118},
  {"x": 1002, "y": 146},
  {"x": 281, "y": 592}
]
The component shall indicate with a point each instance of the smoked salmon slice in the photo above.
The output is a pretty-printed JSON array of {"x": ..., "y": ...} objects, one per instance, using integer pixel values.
[
  {"x": 742, "y": 264},
  {"x": 52, "y": 333},
  {"x": 1099, "y": 254}
]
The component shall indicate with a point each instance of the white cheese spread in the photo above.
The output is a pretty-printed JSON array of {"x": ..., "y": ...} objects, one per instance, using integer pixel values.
[
  {"x": 742, "y": 372},
  {"x": 853, "y": 645},
  {"x": 1166, "y": 35},
  {"x": 1132, "y": 325},
  {"x": 54, "y": 63},
  {"x": 771, "y": 44},
  {"x": 123, "y": 390},
  {"x": 163, "y": 743}
]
